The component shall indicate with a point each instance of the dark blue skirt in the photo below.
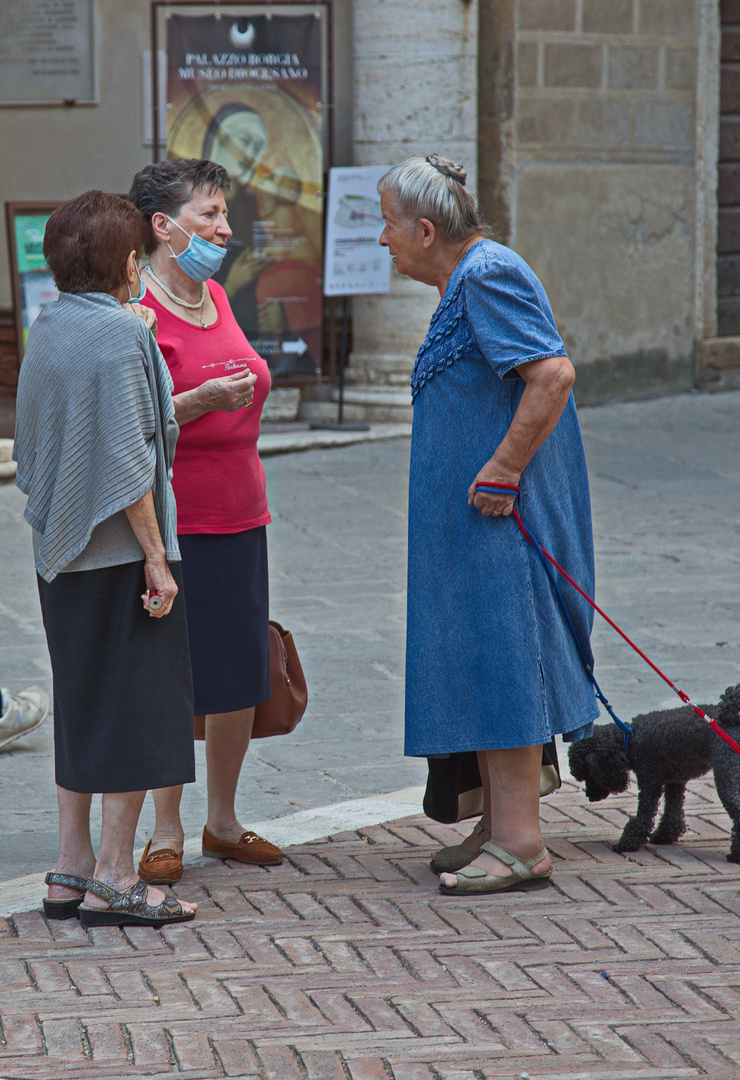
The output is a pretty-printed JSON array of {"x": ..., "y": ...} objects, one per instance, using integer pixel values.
[
  {"x": 123, "y": 697},
  {"x": 227, "y": 604}
]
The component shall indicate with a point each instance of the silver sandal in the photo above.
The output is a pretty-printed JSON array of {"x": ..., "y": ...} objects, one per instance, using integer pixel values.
[
  {"x": 68, "y": 908},
  {"x": 130, "y": 908}
]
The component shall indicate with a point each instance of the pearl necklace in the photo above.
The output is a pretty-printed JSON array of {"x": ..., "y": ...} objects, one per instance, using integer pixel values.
[{"x": 177, "y": 300}]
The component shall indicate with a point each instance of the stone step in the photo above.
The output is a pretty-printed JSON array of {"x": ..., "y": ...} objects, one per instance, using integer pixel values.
[
  {"x": 375, "y": 395},
  {"x": 320, "y": 411},
  {"x": 361, "y": 402},
  {"x": 718, "y": 364}
]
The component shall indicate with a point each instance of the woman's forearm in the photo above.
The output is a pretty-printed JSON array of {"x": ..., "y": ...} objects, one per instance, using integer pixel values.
[
  {"x": 143, "y": 520},
  {"x": 190, "y": 405},
  {"x": 545, "y": 395}
]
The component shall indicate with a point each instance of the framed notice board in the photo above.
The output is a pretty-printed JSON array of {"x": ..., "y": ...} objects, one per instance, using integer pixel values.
[{"x": 31, "y": 281}]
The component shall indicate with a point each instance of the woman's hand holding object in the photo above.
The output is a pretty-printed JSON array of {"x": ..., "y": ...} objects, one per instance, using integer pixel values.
[
  {"x": 145, "y": 313},
  {"x": 229, "y": 393},
  {"x": 493, "y": 473},
  {"x": 159, "y": 580}
]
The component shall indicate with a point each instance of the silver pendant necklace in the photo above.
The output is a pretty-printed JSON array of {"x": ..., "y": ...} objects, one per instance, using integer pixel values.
[{"x": 177, "y": 300}]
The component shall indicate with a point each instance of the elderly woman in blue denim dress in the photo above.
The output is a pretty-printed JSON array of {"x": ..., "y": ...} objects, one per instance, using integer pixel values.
[{"x": 491, "y": 666}]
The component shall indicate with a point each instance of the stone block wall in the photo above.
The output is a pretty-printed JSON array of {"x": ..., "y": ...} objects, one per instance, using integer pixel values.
[
  {"x": 614, "y": 79},
  {"x": 605, "y": 191}
]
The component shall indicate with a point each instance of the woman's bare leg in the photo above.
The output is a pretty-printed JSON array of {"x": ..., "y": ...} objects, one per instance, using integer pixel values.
[
  {"x": 76, "y": 855},
  {"x": 168, "y": 832},
  {"x": 513, "y": 813},
  {"x": 474, "y": 840},
  {"x": 115, "y": 865},
  {"x": 227, "y": 739}
]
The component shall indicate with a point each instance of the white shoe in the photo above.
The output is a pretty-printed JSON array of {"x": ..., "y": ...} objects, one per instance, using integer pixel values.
[{"x": 24, "y": 712}]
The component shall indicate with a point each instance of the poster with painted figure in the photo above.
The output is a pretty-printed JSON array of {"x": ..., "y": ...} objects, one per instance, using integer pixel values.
[{"x": 246, "y": 88}]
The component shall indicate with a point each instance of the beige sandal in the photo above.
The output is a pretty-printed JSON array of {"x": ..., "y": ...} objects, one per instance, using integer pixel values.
[
  {"x": 455, "y": 857},
  {"x": 472, "y": 881}
]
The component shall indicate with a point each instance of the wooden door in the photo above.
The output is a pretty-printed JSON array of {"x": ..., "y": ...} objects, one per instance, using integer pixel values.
[{"x": 728, "y": 238}]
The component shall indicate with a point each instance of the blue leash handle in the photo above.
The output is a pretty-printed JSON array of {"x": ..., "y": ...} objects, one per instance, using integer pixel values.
[{"x": 623, "y": 727}]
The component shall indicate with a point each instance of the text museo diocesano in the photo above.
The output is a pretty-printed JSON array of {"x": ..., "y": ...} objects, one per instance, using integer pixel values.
[{"x": 243, "y": 66}]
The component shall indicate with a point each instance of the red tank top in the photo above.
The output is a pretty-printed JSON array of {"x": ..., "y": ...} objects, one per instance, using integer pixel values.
[{"x": 218, "y": 478}]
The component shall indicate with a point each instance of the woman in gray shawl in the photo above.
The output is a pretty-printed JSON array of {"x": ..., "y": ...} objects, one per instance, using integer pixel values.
[{"x": 95, "y": 438}]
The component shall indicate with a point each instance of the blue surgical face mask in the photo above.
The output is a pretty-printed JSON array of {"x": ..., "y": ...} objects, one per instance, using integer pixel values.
[
  {"x": 201, "y": 259},
  {"x": 142, "y": 289}
]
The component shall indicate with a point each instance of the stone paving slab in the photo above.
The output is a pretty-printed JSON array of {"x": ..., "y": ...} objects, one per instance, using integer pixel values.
[{"x": 346, "y": 963}]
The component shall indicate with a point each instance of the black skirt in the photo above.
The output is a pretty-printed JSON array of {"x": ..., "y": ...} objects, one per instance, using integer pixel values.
[
  {"x": 228, "y": 609},
  {"x": 454, "y": 791},
  {"x": 123, "y": 697}
]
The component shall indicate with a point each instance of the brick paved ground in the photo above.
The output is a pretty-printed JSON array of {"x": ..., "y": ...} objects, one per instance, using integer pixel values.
[{"x": 347, "y": 964}]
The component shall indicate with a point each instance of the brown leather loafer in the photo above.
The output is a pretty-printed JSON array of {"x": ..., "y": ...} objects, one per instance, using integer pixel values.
[
  {"x": 160, "y": 867},
  {"x": 250, "y": 848}
]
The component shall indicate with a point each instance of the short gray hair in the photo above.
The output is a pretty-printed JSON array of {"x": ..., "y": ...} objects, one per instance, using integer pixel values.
[{"x": 434, "y": 188}]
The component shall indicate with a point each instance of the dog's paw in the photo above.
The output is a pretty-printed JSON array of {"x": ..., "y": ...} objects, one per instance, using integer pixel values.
[
  {"x": 733, "y": 856},
  {"x": 626, "y": 845},
  {"x": 662, "y": 836}
]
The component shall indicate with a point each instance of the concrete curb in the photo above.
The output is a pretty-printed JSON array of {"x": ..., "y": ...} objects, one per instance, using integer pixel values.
[
  {"x": 25, "y": 893},
  {"x": 289, "y": 442},
  {"x": 271, "y": 443}
]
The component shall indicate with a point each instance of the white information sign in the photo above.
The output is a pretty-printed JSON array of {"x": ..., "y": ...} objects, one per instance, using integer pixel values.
[
  {"x": 47, "y": 52},
  {"x": 354, "y": 263}
]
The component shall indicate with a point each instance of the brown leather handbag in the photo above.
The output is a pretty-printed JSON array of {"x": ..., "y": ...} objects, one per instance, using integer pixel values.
[{"x": 280, "y": 714}]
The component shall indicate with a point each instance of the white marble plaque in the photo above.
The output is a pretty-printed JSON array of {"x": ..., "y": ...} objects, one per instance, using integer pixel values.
[{"x": 47, "y": 52}]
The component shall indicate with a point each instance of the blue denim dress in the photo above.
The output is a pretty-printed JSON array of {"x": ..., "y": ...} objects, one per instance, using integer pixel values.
[{"x": 490, "y": 662}]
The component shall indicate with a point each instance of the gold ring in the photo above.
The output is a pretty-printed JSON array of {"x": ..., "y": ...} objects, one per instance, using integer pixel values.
[{"x": 247, "y": 404}]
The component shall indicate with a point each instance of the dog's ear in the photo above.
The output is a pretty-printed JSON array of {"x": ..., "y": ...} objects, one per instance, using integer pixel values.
[
  {"x": 577, "y": 752},
  {"x": 604, "y": 768},
  {"x": 615, "y": 770},
  {"x": 728, "y": 709}
]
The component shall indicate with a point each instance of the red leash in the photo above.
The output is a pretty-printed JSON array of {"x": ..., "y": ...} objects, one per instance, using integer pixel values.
[
  {"x": 505, "y": 489},
  {"x": 683, "y": 696}
]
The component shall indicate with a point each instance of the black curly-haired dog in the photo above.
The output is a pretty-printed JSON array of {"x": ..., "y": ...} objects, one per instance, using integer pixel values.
[{"x": 665, "y": 750}]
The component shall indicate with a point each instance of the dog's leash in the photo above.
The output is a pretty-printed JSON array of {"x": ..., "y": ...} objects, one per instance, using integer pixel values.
[{"x": 545, "y": 557}]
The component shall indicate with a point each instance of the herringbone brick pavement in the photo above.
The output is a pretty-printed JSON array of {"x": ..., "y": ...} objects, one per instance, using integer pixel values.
[{"x": 346, "y": 963}]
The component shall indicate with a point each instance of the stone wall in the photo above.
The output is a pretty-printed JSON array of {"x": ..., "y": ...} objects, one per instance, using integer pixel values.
[
  {"x": 605, "y": 199},
  {"x": 415, "y": 83}
]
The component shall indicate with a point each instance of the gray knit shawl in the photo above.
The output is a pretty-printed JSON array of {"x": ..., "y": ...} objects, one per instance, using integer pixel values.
[{"x": 95, "y": 426}]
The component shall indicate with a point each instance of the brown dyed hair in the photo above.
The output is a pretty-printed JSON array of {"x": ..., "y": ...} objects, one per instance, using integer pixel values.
[{"x": 88, "y": 239}]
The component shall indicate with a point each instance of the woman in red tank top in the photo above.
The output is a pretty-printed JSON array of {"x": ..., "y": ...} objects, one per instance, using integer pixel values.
[{"x": 220, "y": 388}]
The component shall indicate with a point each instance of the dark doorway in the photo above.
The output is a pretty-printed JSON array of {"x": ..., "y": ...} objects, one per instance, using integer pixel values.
[{"x": 728, "y": 233}]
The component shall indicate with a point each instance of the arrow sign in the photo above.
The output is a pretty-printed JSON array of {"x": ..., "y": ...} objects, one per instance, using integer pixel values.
[{"x": 298, "y": 346}]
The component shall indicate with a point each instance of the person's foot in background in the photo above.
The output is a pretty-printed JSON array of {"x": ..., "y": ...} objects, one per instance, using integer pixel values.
[{"x": 21, "y": 713}]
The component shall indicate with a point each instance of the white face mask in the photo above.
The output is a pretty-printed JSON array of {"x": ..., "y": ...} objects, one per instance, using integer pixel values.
[
  {"x": 142, "y": 289},
  {"x": 201, "y": 259}
]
